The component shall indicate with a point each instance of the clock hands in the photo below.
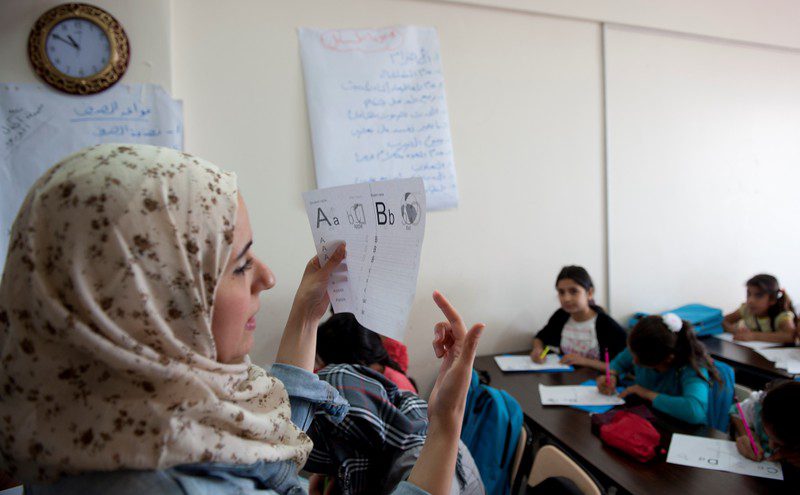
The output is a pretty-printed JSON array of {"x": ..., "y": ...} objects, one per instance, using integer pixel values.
[
  {"x": 77, "y": 47},
  {"x": 71, "y": 41}
]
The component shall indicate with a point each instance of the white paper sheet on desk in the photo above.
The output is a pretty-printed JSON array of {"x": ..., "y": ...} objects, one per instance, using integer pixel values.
[
  {"x": 719, "y": 455},
  {"x": 39, "y": 126},
  {"x": 383, "y": 225},
  {"x": 752, "y": 344},
  {"x": 575, "y": 395},
  {"x": 377, "y": 108},
  {"x": 525, "y": 363},
  {"x": 787, "y": 358}
]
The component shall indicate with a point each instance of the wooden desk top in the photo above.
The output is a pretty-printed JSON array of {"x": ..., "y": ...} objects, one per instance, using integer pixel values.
[
  {"x": 740, "y": 356},
  {"x": 572, "y": 428}
]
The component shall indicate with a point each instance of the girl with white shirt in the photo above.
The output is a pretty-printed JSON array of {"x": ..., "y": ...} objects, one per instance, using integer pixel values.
[{"x": 580, "y": 328}]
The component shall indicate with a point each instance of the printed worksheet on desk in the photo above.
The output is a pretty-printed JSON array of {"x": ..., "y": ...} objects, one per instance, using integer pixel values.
[
  {"x": 718, "y": 455},
  {"x": 383, "y": 224}
]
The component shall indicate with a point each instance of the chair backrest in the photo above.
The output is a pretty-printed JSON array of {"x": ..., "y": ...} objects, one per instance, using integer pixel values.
[
  {"x": 523, "y": 440},
  {"x": 741, "y": 392},
  {"x": 550, "y": 461}
]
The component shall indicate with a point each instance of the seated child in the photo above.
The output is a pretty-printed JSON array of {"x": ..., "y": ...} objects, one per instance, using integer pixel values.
[
  {"x": 670, "y": 366},
  {"x": 771, "y": 417},
  {"x": 377, "y": 443},
  {"x": 581, "y": 329},
  {"x": 343, "y": 340},
  {"x": 767, "y": 314}
]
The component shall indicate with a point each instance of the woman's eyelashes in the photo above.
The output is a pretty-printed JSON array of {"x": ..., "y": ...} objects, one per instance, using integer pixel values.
[{"x": 246, "y": 266}]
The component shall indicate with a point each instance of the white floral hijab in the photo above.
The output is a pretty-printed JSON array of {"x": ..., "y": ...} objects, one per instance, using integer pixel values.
[{"x": 107, "y": 360}]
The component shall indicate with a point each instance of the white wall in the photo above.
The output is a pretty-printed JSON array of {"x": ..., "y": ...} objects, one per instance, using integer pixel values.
[
  {"x": 703, "y": 155},
  {"x": 525, "y": 92},
  {"x": 147, "y": 23},
  {"x": 525, "y": 100},
  {"x": 770, "y": 22}
]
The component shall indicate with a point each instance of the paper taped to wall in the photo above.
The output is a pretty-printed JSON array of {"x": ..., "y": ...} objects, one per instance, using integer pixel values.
[
  {"x": 383, "y": 225},
  {"x": 377, "y": 108},
  {"x": 39, "y": 126}
]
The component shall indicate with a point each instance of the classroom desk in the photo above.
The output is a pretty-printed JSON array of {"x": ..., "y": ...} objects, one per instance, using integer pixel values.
[
  {"x": 752, "y": 369},
  {"x": 571, "y": 429}
]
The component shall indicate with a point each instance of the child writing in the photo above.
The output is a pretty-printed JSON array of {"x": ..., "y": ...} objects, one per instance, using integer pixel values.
[
  {"x": 771, "y": 416},
  {"x": 767, "y": 314},
  {"x": 670, "y": 366},
  {"x": 581, "y": 329}
]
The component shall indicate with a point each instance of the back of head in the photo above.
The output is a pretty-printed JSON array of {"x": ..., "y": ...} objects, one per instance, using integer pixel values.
[
  {"x": 652, "y": 342},
  {"x": 779, "y": 413},
  {"x": 343, "y": 340}
]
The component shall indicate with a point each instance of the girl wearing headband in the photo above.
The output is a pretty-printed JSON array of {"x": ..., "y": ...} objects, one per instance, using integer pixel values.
[
  {"x": 672, "y": 369},
  {"x": 766, "y": 315}
]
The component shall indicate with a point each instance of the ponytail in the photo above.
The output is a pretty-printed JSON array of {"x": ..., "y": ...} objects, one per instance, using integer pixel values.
[{"x": 652, "y": 341}]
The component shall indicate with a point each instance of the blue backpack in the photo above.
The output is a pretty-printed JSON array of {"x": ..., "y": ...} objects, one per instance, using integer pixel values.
[
  {"x": 491, "y": 428},
  {"x": 720, "y": 397},
  {"x": 705, "y": 319}
]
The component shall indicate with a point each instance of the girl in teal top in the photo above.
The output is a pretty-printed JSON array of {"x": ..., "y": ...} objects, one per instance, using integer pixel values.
[{"x": 671, "y": 368}]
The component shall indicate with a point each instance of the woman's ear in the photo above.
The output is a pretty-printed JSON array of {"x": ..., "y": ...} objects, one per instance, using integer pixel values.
[{"x": 590, "y": 293}]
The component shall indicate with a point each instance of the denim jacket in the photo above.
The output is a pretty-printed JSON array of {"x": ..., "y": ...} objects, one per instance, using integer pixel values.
[{"x": 307, "y": 395}]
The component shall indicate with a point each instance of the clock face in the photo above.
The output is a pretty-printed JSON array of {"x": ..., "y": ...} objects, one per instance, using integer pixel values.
[{"x": 78, "y": 47}]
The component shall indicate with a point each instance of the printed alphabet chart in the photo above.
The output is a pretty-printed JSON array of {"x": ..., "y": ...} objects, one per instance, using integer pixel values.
[
  {"x": 383, "y": 224},
  {"x": 719, "y": 455}
]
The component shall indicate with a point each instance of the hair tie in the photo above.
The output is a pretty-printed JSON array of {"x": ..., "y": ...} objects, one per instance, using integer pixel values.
[{"x": 672, "y": 321}]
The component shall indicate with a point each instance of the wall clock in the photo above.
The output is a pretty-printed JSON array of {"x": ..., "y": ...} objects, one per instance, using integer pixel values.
[{"x": 78, "y": 48}]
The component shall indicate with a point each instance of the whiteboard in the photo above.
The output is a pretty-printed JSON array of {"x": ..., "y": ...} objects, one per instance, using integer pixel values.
[{"x": 703, "y": 169}]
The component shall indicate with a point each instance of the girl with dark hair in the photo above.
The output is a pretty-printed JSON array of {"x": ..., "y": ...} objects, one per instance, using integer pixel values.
[
  {"x": 671, "y": 368},
  {"x": 581, "y": 329},
  {"x": 767, "y": 314},
  {"x": 770, "y": 415},
  {"x": 343, "y": 340}
]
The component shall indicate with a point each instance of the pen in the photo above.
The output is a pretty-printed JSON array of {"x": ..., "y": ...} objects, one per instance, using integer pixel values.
[
  {"x": 544, "y": 352},
  {"x": 747, "y": 428}
]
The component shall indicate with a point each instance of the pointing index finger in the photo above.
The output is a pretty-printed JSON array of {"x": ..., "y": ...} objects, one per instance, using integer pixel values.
[{"x": 449, "y": 311}]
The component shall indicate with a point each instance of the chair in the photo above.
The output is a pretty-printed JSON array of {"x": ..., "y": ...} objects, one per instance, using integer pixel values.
[
  {"x": 741, "y": 392},
  {"x": 521, "y": 463},
  {"x": 551, "y": 461}
]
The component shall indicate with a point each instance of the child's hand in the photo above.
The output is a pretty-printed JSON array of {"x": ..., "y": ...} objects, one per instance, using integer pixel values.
[
  {"x": 607, "y": 388},
  {"x": 785, "y": 455},
  {"x": 746, "y": 449},
  {"x": 575, "y": 359},
  {"x": 536, "y": 355},
  {"x": 640, "y": 391},
  {"x": 743, "y": 334}
]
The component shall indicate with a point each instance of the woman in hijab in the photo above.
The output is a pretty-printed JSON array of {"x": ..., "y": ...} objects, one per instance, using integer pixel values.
[{"x": 127, "y": 310}]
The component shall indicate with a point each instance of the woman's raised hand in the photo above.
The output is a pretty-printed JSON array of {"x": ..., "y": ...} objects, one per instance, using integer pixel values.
[
  {"x": 456, "y": 347},
  {"x": 298, "y": 345}
]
